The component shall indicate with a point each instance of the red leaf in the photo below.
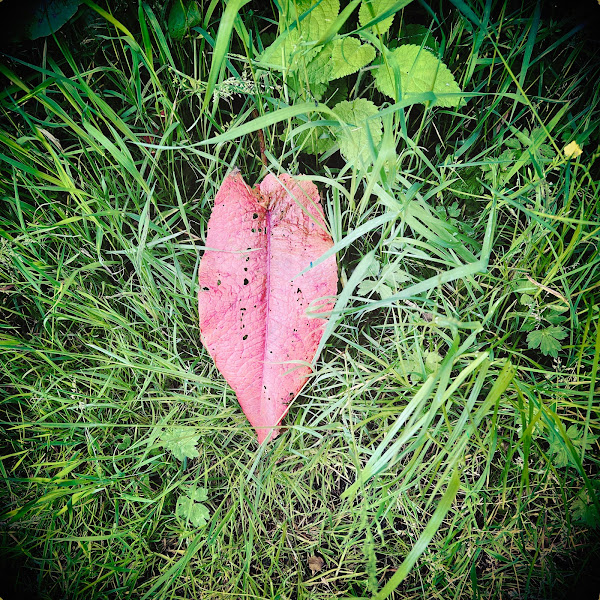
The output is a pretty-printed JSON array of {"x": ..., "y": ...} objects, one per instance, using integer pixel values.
[{"x": 253, "y": 305}]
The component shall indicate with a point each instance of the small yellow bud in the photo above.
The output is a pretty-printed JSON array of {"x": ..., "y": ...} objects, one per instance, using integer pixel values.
[{"x": 572, "y": 150}]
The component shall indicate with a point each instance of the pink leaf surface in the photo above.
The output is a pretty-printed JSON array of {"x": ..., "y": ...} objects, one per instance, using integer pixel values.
[{"x": 257, "y": 314}]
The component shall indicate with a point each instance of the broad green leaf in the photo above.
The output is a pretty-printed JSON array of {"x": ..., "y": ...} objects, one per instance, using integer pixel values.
[
  {"x": 190, "y": 508},
  {"x": 368, "y": 285},
  {"x": 354, "y": 138},
  {"x": 181, "y": 441},
  {"x": 288, "y": 51},
  {"x": 467, "y": 184},
  {"x": 385, "y": 291},
  {"x": 177, "y": 22},
  {"x": 181, "y": 17},
  {"x": 124, "y": 443},
  {"x": 420, "y": 72},
  {"x": 314, "y": 17},
  {"x": 304, "y": 23},
  {"x": 584, "y": 510},
  {"x": 547, "y": 340},
  {"x": 547, "y": 151},
  {"x": 315, "y": 140},
  {"x": 374, "y": 268},
  {"x": 526, "y": 299},
  {"x": 432, "y": 360},
  {"x": 554, "y": 318},
  {"x": 338, "y": 58},
  {"x": 394, "y": 275},
  {"x": 39, "y": 19},
  {"x": 561, "y": 453},
  {"x": 387, "y": 284},
  {"x": 513, "y": 143},
  {"x": 371, "y": 9},
  {"x": 194, "y": 17},
  {"x": 198, "y": 494}
]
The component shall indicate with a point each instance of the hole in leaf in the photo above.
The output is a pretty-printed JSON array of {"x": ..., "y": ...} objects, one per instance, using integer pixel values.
[
  {"x": 246, "y": 282},
  {"x": 245, "y": 337},
  {"x": 218, "y": 282}
]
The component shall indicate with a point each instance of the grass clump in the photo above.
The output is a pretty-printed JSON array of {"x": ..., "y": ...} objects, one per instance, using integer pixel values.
[{"x": 447, "y": 445}]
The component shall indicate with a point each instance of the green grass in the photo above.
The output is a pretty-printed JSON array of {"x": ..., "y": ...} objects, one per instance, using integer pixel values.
[{"x": 436, "y": 452}]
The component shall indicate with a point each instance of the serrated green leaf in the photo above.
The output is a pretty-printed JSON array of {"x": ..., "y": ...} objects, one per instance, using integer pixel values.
[
  {"x": 507, "y": 158},
  {"x": 454, "y": 210},
  {"x": 371, "y": 9},
  {"x": 547, "y": 151},
  {"x": 190, "y": 510},
  {"x": 318, "y": 90},
  {"x": 387, "y": 284},
  {"x": 366, "y": 286},
  {"x": 432, "y": 361},
  {"x": 338, "y": 58},
  {"x": 198, "y": 494},
  {"x": 181, "y": 441},
  {"x": 584, "y": 510},
  {"x": 558, "y": 449},
  {"x": 554, "y": 318},
  {"x": 318, "y": 16},
  {"x": 353, "y": 138},
  {"x": 529, "y": 324},
  {"x": 420, "y": 71},
  {"x": 385, "y": 291},
  {"x": 468, "y": 185},
  {"x": 526, "y": 299},
  {"x": 303, "y": 25},
  {"x": 394, "y": 275},
  {"x": 547, "y": 340},
  {"x": 125, "y": 442},
  {"x": 513, "y": 143},
  {"x": 374, "y": 268}
]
